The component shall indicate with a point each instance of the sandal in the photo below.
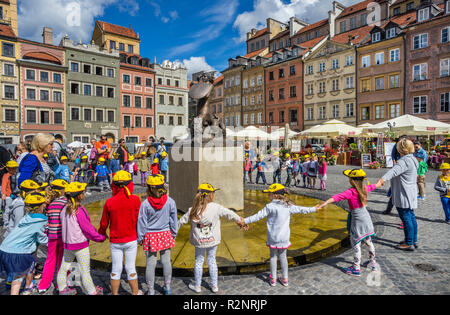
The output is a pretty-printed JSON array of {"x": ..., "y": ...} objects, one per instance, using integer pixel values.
[{"x": 405, "y": 247}]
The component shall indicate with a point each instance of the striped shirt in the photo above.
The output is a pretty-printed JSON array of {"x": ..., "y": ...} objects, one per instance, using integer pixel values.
[{"x": 54, "y": 228}]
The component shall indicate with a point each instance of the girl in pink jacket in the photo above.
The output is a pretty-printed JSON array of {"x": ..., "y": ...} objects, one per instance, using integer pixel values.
[{"x": 77, "y": 231}]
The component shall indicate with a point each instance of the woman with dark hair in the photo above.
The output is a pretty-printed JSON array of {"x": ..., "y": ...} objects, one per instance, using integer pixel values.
[{"x": 123, "y": 153}]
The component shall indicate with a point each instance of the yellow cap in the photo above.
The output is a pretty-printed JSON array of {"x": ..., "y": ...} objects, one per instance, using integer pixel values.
[
  {"x": 116, "y": 154},
  {"x": 34, "y": 200},
  {"x": 206, "y": 188},
  {"x": 12, "y": 164},
  {"x": 130, "y": 158},
  {"x": 155, "y": 161},
  {"x": 144, "y": 153},
  {"x": 59, "y": 184},
  {"x": 43, "y": 186},
  {"x": 75, "y": 188},
  {"x": 307, "y": 156},
  {"x": 45, "y": 156},
  {"x": 276, "y": 189},
  {"x": 324, "y": 156},
  {"x": 164, "y": 154},
  {"x": 64, "y": 158},
  {"x": 276, "y": 153},
  {"x": 155, "y": 180},
  {"x": 445, "y": 166},
  {"x": 28, "y": 185},
  {"x": 101, "y": 159},
  {"x": 122, "y": 177},
  {"x": 84, "y": 157},
  {"x": 288, "y": 155},
  {"x": 355, "y": 174}
]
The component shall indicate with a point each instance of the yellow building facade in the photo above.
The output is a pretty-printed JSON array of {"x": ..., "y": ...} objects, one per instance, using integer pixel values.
[
  {"x": 253, "y": 100},
  {"x": 114, "y": 37},
  {"x": 8, "y": 14}
]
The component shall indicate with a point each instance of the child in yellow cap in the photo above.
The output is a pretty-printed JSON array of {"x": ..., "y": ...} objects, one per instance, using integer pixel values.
[
  {"x": 443, "y": 186},
  {"x": 63, "y": 172},
  {"x": 360, "y": 224},
  {"x": 143, "y": 166},
  {"x": 278, "y": 213},
  {"x": 101, "y": 173},
  {"x": 8, "y": 181}
]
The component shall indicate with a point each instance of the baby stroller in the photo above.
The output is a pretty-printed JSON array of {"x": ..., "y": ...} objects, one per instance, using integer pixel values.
[{"x": 85, "y": 176}]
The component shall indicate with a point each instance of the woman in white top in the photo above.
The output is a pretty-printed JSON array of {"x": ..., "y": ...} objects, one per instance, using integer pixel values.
[{"x": 205, "y": 233}]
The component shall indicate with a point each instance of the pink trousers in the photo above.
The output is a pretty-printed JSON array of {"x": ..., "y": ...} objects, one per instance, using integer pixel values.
[{"x": 54, "y": 258}]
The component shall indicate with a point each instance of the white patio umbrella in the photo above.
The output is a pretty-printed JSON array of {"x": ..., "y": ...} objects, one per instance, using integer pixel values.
[
  {"x": 252, "y": 133},
  {"x": 366, "y": 134},
  {"x": 332, "y": 128},
  {"x": 281, "y": 133},
  {"x": 76, "y": 144},
  {"x": 410, "y": 125}
]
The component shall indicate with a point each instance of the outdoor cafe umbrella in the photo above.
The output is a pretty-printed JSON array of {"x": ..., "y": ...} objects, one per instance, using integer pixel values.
[
  {"x": 281, "y": 133},
  {"x": 410, "y": 125},
  {"x": 332, "y": 128},
  {"x": 252, "y": 133},
  {"x": 75, "y": 145}
]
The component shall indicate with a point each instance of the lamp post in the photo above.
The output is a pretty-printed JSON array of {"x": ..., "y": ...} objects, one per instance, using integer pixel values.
[{"x": 132, "y": 128}]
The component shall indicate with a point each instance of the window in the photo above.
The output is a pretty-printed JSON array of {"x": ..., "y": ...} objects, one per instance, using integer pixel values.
[
  {"x": 379, "y": 112},
  {"x": 44, "y": 95},
  {"x": 111, "y": 116},
  {"x": 110, "y": 72},
  {"x": 310, "y": 89},
  {"x": 420, "y": 41},
  {"x": 31, "y": 94},
  {"x": 353, "y": 23},
  {"x": 420, "y": 104},
  {"x": 149, "y": 102},
  {"x": 365, "y": 62},
  {"x": 271, "y": 98},
  {"x": 260, "y": 79},
  {"x": 409, "y": 6},
  {"x": 447, "y": 6},
  {"x": 168, "y": 81},
  {"x": 9, "y": 115},
  {"x": 322, "y": 87},
  {"x": 87, "y": 90},
  {"x": 322, "y": 67},
  {"x": 349, "y": 110},
  {"x": 1, "y": 13},
  {"x": 310, "y": 113},
  {"x": 75, "y": 113},
  {"x": 74, "y": 66},
  {"x": 110, "y": 92},
  {"x": 445, "y": 67},
  {"x": 335, "y": 85},
  {"x": 8, "y": 70},
  {"x": 171, "y": 100},
  {"x": 349, "y": 83},
  {"x": 293, "y": 91},
  {"x": 444, "y": 34},
  {"x": 342, "y": 26},
  {"x": 445, "y": 102},
  {"x": 131, "y": 49},
  {"x": 99, "y": 91},
  {"x": 281, "y": 94},
  {"x": 394, "y": 81},
  {"x": 280, "y": 73},
  {"x": 245, "y": 84},
  {"x": 379, "y": 83},
  {"x": 138, "y": 122},
  {"x": 379, "y": 58},
  {"x": 99, "y": 115},
  {"x": 57, "y": 97},
  {"x": 87, "y": 69},
  {"x": 394, "y": 110},
  {"x": 390, "y": 33},
  {"x": 335, "y": 64},
  {"x": 148, "y": 82},
  {"x": 335, "y": 111},
  {"x": 137, "y": 101},
  {"x": 363, "y": 19},
  {"x": 31, "y": 75},
  {"x": 75, "y": 88},
  {"x": 281, "y": 116},
  {"x": 180, "y": 101},
  {"x": 44, "y": 76},
  {"x": 98, "y": 70},
  {"x": 292, "y": 70},
  {"x": 161, "y": 119},
  {"x": 322, "y": 112},
  {"x": 177, "y": 83},
  {"x": 112, "y": 45},
  {"x": 252, "y": 100},
  {"x": 121, "y": 47},
  {"x": 57, "y": 118},
  {"x": 219, "y": 108},
  {"x": 87, "y": 114},
  {"x": 126, "y": 78},
  {"x": 7, "y": 50},
  {"x": 259, "y": 118},
  {"x": 126, "y": 101},
  {"x": 160, "y": 82},
  {"x": 348, "y": 60},
  {"x": 31, "y": 116},
  {"x": 245, "y": 119},
  {"x": 365, "y": 85},
  {"x": 252, "y": 82},
  {"x": 45, "y": 117},
  {"x": 423, "y": 15},
  {"x": 252, "y": 119},
  {"x": 127, "y": 121},
  {"x": 394, "y": 55},
  {"x": 148, "y": 122},
  {"x": 397, "y": 11},
  {"x": 9, "y": 92},
  {"x": 161, "y": 99},
  {"x": 376, "y": 37},
  {"x": 138, "y": 81},
  {"x": 310, "y": 69},
  {"x": 420, "y": 72},
  {"x": 56, "y": 78},
  {"x": 365, "y": 113}
]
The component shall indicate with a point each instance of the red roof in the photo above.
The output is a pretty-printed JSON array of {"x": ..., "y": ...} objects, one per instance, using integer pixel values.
[
  {"x": 403, "y": 20},
  {"x": 259, "y": 33},
  {"x": 6, "y": 30},
  {"x": 357, "y": 7},
  {"x": 358, "y": 35},
  {"x": 41, "y": 56},
  {"x": 255, "y": 53},
  {"x": 118, "y": 30},
  {"x": 313, "y": 26},
  {"x": 218, "y": 80}
]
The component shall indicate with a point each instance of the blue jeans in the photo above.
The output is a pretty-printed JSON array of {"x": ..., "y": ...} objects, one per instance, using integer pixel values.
[
  {"x": 446, "y": 204},
  {"x": 260, "y": 175},
  {"x": 410, "y": 225},
  {"x": 276, "y": 174}
]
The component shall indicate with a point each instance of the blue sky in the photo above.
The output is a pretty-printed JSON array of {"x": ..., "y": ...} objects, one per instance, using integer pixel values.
[{"x": 201, "y": 34}]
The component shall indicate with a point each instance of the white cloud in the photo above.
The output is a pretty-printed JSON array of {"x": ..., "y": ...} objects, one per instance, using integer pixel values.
[
  {"x": 173, "y": 15},
  {"x": 195, "y": 64},
  {"x": 75, "y": 18},
  {"x": 310, "y": 11}
]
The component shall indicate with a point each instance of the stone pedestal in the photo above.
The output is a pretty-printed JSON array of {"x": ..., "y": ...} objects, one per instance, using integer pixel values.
[{"x": 221, "y": 167}]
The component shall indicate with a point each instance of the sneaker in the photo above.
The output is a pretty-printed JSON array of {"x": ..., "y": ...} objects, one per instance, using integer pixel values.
[
  {"x": 167, "y": 291},
  {"x": 195, "y": 288},
  {"x": 68, "y": 291},
  {"x": 214, "y": 288},
  {"x": 45, "y": 291},
  {"x": 373, "y": 266},
  {"x": 30, "y": 291},
  {"x": 352, "y": 271},
  {"x": 140, "y": 292},
  {"x": 99, "y": 291},
  {"x": 284, "y": 282},
  {"x": 272, "y": 281}
]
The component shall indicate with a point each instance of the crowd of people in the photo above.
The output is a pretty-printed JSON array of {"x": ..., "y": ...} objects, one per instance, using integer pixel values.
[{"x": 51, "y": 214}]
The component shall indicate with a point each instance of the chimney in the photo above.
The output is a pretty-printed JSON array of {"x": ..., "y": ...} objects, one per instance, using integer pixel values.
[{"x": 47, "y": 35}]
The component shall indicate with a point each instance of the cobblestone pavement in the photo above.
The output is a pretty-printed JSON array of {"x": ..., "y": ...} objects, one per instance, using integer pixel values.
[{"x": 425, "y": 271}]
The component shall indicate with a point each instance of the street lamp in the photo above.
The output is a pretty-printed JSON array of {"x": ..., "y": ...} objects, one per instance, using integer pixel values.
[{"x": 132, "y": 128}]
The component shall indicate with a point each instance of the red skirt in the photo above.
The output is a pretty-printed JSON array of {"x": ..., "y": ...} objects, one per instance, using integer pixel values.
[{"x": 158, "y": 241}]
